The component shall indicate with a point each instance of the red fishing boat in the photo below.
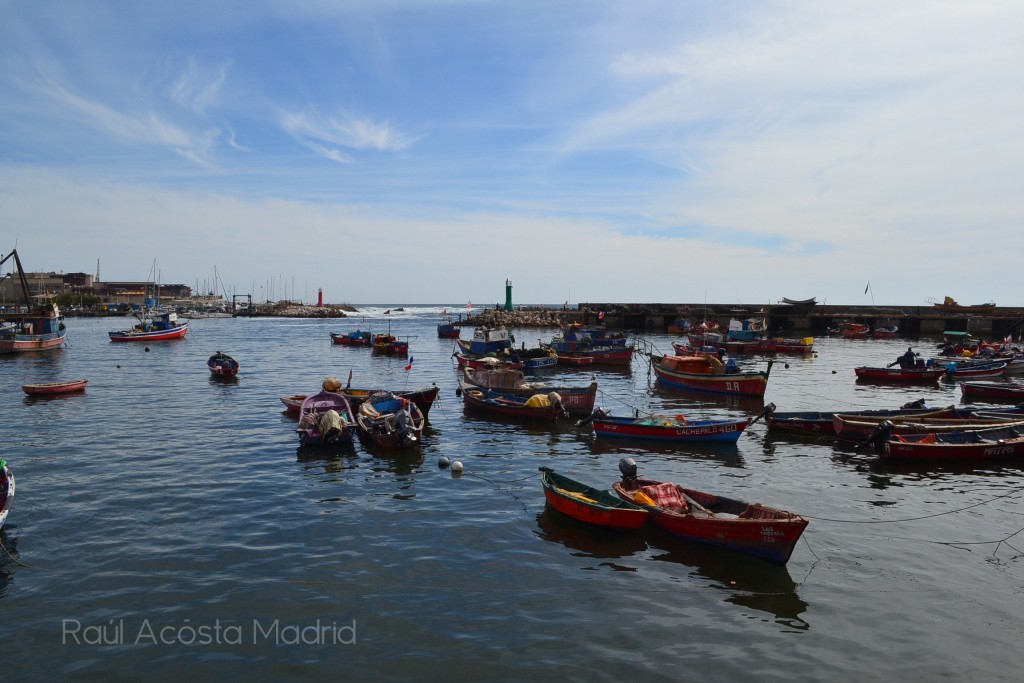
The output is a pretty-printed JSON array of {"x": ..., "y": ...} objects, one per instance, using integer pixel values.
[
  {"x": 587, "y": 504},
  {"x": 707, "y": 373},
  {"x": 222, "y": 365},
  {"x": 749, "y": 528},
  {"x": 159, "y": 327},
  {"x": 574, "y": 359},
  {"x": 994, "y": 391},
  {"x": 53, "y": 388},
  {"x": 854, "y": 330},
  {"x": 861, "y": 428},
  {"x": 970, "y": 445},
  {"x": 921, "y": 373},
  {"x": 666, "y": 428},
  {"x": 356, "y": 338}
]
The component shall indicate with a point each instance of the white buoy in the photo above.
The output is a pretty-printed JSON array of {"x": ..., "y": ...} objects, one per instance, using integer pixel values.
[
  {"x": 456, "y": 466},
  {"x": 443, "y": 462}
]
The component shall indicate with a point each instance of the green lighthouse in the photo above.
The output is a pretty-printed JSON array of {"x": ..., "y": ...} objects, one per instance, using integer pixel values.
[{"x": 508, "y": 295}]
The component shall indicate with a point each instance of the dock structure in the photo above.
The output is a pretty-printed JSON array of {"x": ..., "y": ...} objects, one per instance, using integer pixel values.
[{"x": 815, "y": 319}]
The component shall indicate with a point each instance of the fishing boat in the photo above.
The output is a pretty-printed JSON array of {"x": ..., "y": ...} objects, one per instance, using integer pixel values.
[
  {"x": 676, "y": 428},
  {"x": 993, "y": 391},
  {"x": 447, "y": 329},
  {"x": 885, "y": 332},
  {"x": 540, "y": 406},
  {"x": 423, "y": 397},
  {"x": 390, "y": 345},
  {"x": 850, "y": 330},
  {"x": 355, "y": 338},
  {"x": 821, "y": 421},
  {"x": 956, "y": 371},
  {"x": 222, "y": 365},
  {"x": 502, "y": 360},
  {"x": 152, "y": 327},
  {"x": 574, "y": 359},
  {"x": 788, "y": 345},
  {"x": 921, "y": 373},
  {"x": 576, "y": 400},
  {"x": 388, "y": 422},
  {"x": 748, "y": 528},
  {"x": 949, "y": 305},
  {"x": 863, "y": 428},
  {"x": 55, "y": 388},
  {"x": 587, "y": 504},
  {"x": 964, "y": 445},
  {"x": 709, "y": 374},
  {"x": 325, "y": 418},
  {"x": 485, "y": 340},
  {"x": 32, "y": 326},
  {"x": 6, "y": 491},
  {"x": 535, "y": 358}
]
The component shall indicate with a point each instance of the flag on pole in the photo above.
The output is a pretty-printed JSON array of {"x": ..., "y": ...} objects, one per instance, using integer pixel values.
[
  {"x": 408, "y": 366},
  {"x": 868, "y": 287}
]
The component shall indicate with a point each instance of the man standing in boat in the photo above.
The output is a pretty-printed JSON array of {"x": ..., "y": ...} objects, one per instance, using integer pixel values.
[{"x": 907, "y": 360}]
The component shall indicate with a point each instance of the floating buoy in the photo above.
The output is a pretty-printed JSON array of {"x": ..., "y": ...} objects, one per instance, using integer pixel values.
[
  {"x": 456, "y": 466},
  {"x": 118, "y": 367},
  {"x": 147, "y": 349},
  {"x": 443, "y": 462},
  {"x": 787, "y": 366},
  {"x": 833, "y": 372}
]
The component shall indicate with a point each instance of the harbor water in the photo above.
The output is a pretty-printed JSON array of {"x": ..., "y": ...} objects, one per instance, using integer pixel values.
[{"x": 168, "y": 526}]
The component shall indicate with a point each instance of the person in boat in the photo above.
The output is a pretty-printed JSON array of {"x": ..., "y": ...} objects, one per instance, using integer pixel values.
[{"x": 907, "y": 360}]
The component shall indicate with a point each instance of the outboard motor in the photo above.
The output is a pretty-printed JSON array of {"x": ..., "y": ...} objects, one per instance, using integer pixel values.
[
  {"x": 628, "y": 469},
  {"x": 590, "y": 418},
  {"x": 880, "y": 435}
]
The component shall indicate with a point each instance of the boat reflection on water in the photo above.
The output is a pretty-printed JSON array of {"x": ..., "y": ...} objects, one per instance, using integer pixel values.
[
  {"x": 747, "y": 582},
  {"x": 727, "y": 454},
  {"x": 331, "y": 457},
  {"x": 587, "y": 540}
]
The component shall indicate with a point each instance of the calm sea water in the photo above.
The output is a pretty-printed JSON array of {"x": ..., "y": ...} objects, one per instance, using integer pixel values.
[{"x": 167, "y": 526}]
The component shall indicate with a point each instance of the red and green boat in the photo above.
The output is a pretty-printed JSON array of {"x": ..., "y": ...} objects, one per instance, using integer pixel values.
[{"x": 587, "y": 504}]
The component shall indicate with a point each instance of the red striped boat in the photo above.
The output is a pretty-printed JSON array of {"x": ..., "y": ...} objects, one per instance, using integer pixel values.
[
  {"x": 707, "y": 373},
  {"x": 971, "y": 445}
]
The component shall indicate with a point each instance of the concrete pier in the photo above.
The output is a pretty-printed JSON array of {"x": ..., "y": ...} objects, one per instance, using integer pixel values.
[{"x": 790, "y": 320}]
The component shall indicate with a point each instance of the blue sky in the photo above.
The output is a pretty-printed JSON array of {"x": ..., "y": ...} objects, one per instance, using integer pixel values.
[{"x": 602, "y": 151}]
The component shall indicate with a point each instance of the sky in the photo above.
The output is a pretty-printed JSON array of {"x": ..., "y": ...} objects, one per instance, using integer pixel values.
[{"x": 720, "y": 151}]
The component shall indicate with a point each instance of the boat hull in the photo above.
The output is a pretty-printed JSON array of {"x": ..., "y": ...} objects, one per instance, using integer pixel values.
[
  {"x": 590, "y": 505},
  {"x": 155, "y": 335},
  {"x": 508, "y": 405},
  {"x": 755, "y": 529},
  {"x": 900, "y": 375},
  {"x": 992, "y": 391},
  {"x": 734, "y": 384},
  {"x": 972, "y": 446},
  {"x": 53, "y": 388},
  {"x": 669, "y": 429}
]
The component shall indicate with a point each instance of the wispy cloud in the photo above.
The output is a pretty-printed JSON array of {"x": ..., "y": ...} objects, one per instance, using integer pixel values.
[{"x": 326, "y": 135}]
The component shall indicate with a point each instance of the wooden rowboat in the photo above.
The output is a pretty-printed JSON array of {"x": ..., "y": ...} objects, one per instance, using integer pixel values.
[
  {"x": 900, "y": 375},
  {"x": 994, "y": 391},
  {"x": 667, "y": 428},
  {"x": 749, "y": 528},
  {"x": 52, "y": 388},
  {"x": 540, "y": 406},
  {"x": 222, "y": 365},
  {"x": 422, "y": 397},
  {"x": 388, "y": 422},
  {"x": 706, "y": 373},
  {"x": 590, "y": 505},
  {"x": 325, "y": 418},
  {"x": 970, "y": 445}
]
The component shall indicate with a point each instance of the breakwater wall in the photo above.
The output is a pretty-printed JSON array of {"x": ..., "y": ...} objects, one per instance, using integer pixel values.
[{"x": 818, "y": 319}]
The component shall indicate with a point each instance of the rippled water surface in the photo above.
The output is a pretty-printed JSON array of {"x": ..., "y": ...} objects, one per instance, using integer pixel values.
[{"x": 166, "y": 525}]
